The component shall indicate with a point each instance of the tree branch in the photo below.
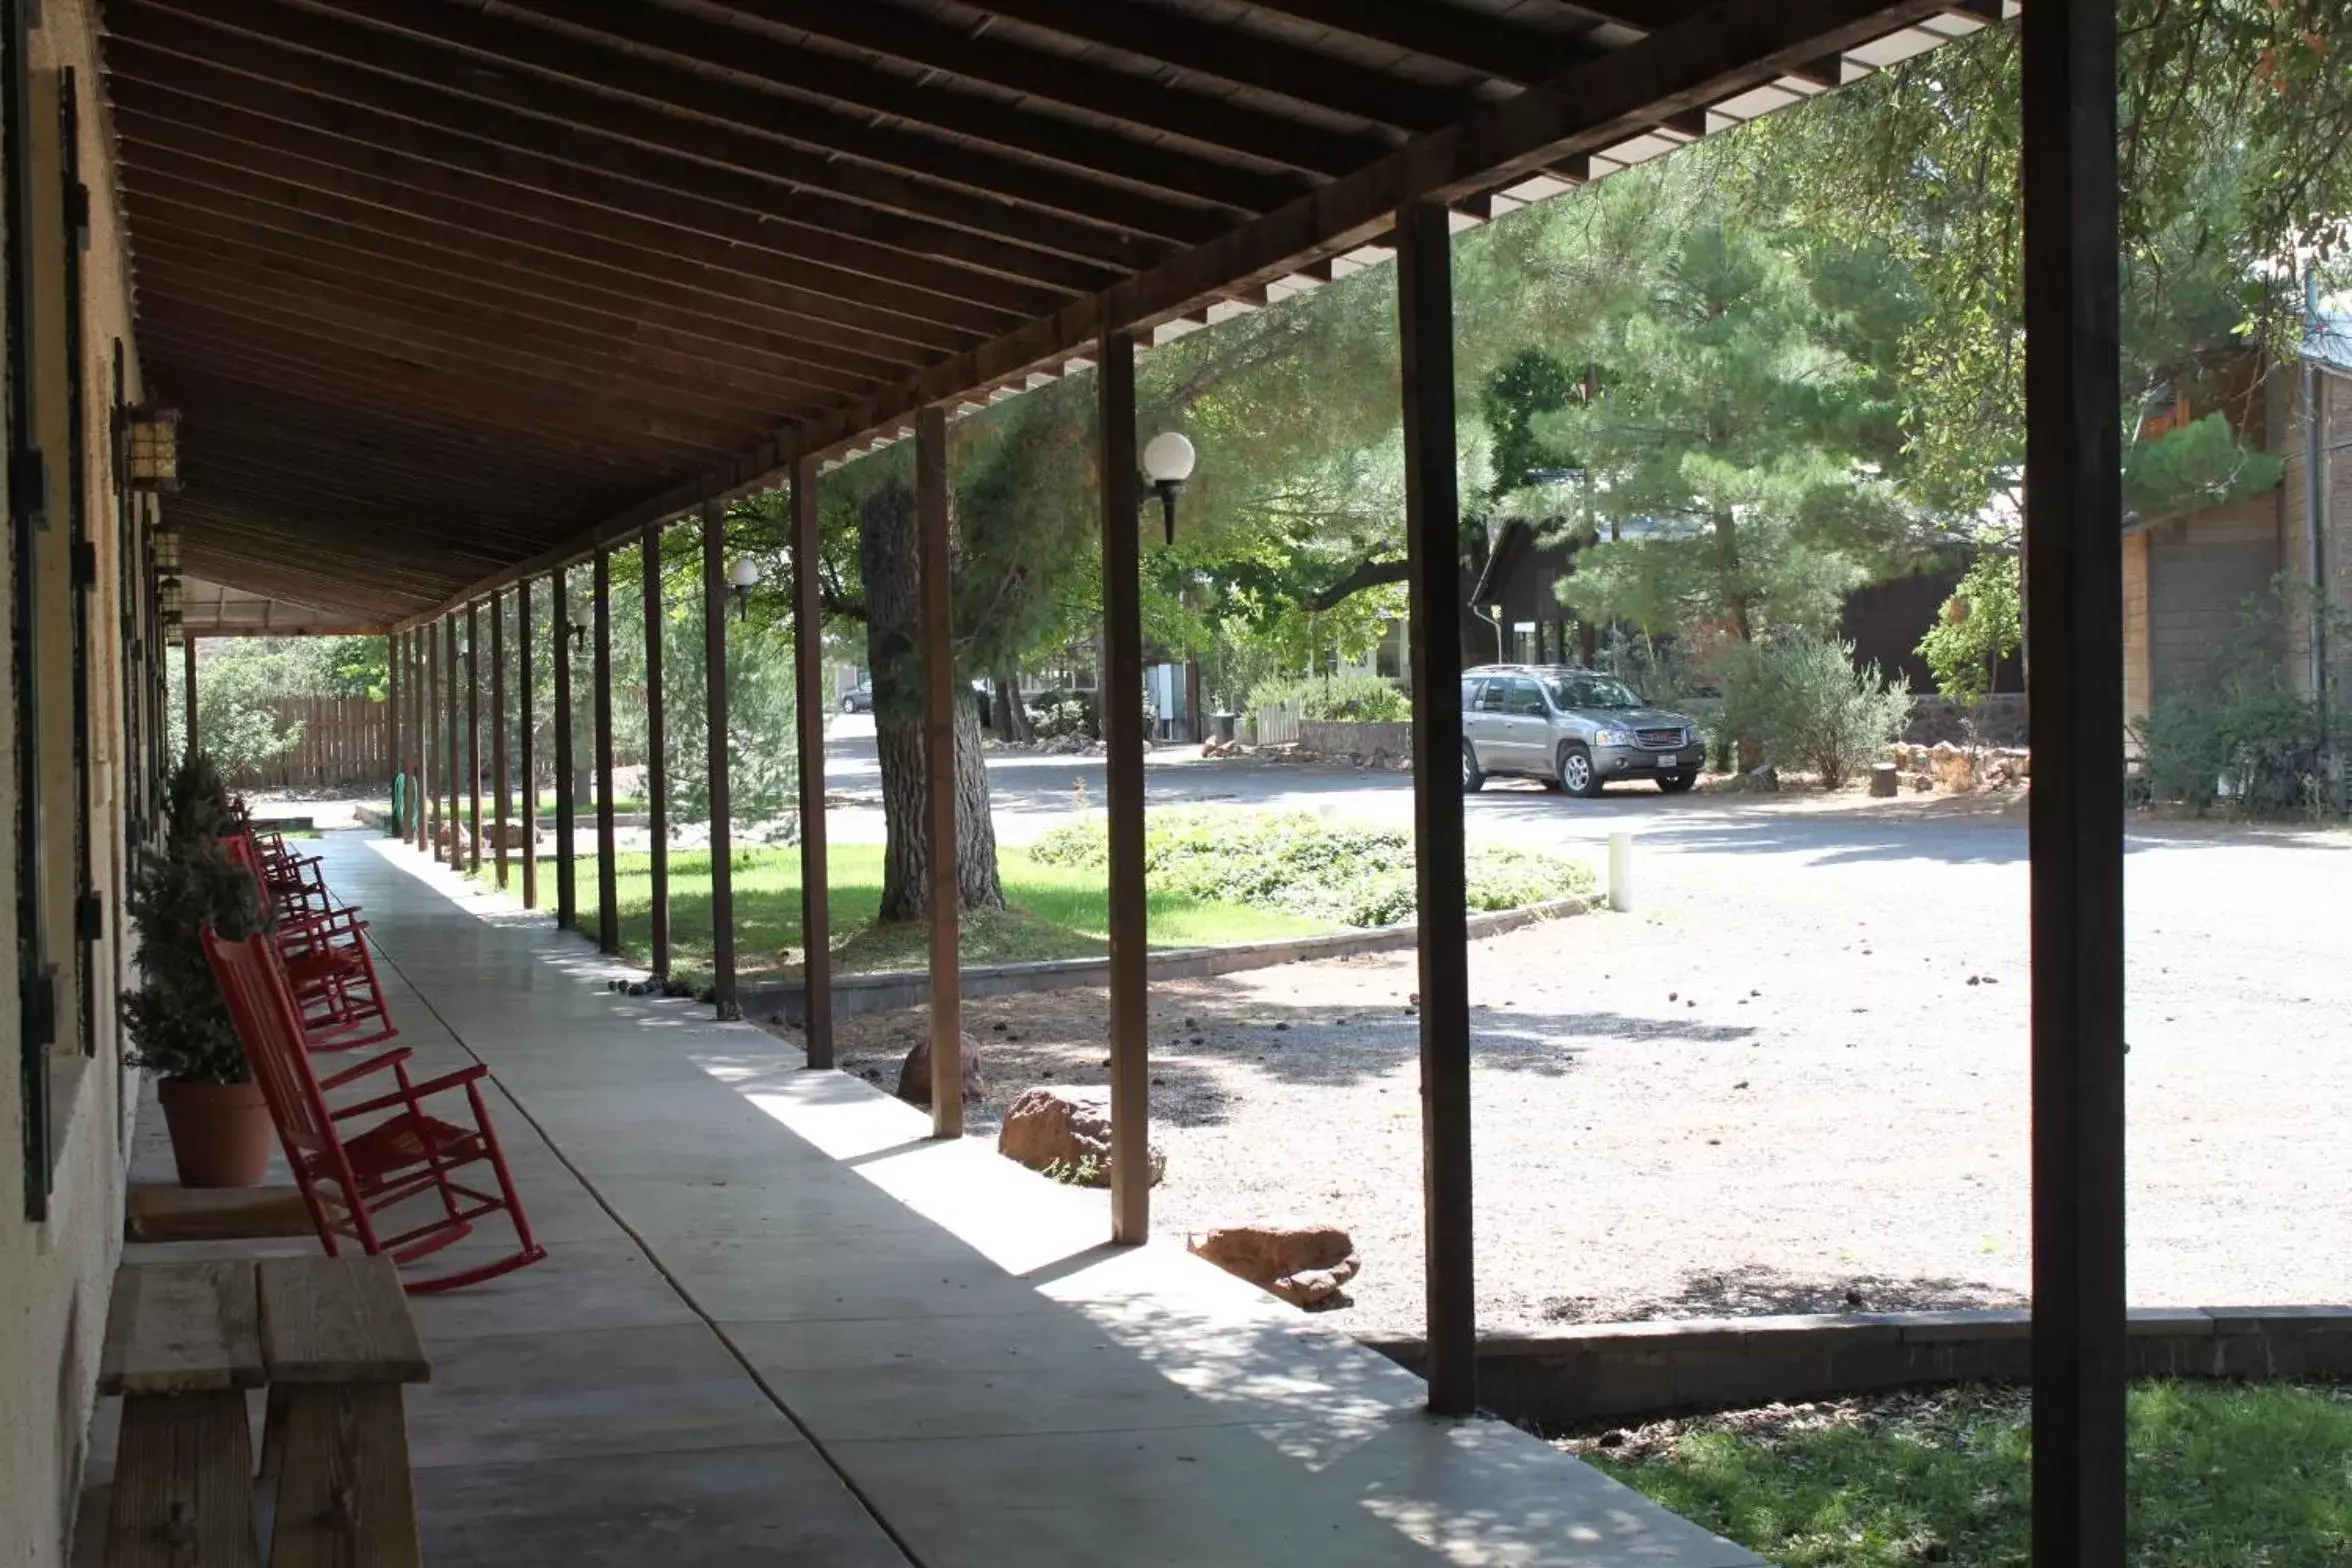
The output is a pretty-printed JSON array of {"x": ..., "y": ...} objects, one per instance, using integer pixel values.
[{"x": 1367, "y": 573}]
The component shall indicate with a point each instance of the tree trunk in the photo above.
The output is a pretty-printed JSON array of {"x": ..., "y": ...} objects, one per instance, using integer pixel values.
[
  {"x": 1012, "y": 716},
  {"x": 1735, "y": 599},
  {"x": 887, "y": 560}
]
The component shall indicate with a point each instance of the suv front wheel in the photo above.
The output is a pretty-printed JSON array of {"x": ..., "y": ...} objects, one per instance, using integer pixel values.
[
  {"x": 1472, "y": 779},
  {"x": 1574, "y": 769}
]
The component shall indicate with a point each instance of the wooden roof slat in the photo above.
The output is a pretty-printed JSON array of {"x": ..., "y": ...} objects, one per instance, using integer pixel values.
[
  {"x": 1246, "y": 59},
  {"x": 720, "y": 121},
  {"x": 370, "y": 377},
  {"x": 423, "y": 273},
  {"x": 1498, "y": 46},
  {"x": 298, "y": 280},
  {"x": 363, "y": 61},
  {"x": 190, "y": 173},
  {"x": 751, "y": 56},
  {"x": 537, "y": 374},
  {"x": 352, "y": 108},
  {"x": 271, "y": 396},
  {"x": 1140, "y": 100}
]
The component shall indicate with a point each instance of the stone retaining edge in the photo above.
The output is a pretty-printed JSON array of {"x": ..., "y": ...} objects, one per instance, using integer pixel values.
[
  {"x": 1627, "y": 1370},
  {"x": 890, "y": 990}
]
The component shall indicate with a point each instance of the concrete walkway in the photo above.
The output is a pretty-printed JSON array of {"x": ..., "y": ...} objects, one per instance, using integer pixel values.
[{"x": 780, "y": 1325}]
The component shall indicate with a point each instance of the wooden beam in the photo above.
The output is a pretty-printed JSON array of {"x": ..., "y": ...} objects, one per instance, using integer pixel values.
[
  {"x": 1251, "y": 59},
  {"x": 253, "y": 232},
  {"x": 657, "y": 789},
  {"x": 638, "y": 98},
  {"x": 353, "y": 106},
  {"x": 373, "y": 295},
  {"x": 1143, "y": 104},
  {"x": 1734, "y": 47},
  {"x": 526, "y": 727},
  {"x": 526, "y": 200},
  {"x": 808, "y": 660},
  {"x": 392, "y": 716},
  {"x": 2074, "y": 689},
  {"x": 608, "y": 888},
  {"x": 915, "y": 102},
  {"x": 454, "y": 366},
  {"x": 1491, "y": 44},
  {"x": 936, "y": 569},
  {"x": 559, "y": 627},
  {"x": 1425, "y": 308},
  {"x": 198, "y": 168},
  {"x": 714, "y": 704},
  {"x": 1122, "y": 720}
]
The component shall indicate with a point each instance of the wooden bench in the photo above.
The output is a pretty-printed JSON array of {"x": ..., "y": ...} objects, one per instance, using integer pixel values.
[
  {"x": 338, "y": 1343},
  {"x": 183, "y": 1344}
]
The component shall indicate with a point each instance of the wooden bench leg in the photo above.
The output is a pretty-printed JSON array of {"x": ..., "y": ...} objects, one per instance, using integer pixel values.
[
  {"x": 345, "y": 1498},
  {"x": 183, "y": 1484}
]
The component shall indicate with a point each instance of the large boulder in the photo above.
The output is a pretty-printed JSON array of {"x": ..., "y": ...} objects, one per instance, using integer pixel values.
[
  {"x": 1764, "y": 780},
  {"x": 1065, "y": 1131},
  {"x": 1303, "y": 1264},
  {"x": 914, "y": 1075}
]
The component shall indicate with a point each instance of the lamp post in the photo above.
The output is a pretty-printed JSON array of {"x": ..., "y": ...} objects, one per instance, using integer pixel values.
[
  {"x": 1167, "y": 462},
  {"x": 741, "y": 579},
  {"x": 582, "y": 619}
]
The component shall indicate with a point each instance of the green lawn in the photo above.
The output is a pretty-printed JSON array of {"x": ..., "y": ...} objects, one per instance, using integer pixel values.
[
  {"x": 1057, "y": 912},
  {"x": 2221, "y": 1476}
]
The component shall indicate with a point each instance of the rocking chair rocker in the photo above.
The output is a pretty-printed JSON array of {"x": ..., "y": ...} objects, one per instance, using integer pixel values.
[{"x": 351, "y": 1178}]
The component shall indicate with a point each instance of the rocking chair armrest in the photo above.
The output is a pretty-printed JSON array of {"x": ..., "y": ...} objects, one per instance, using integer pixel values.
[
  {"x": 374, "y": 1064},
  {"x": 409, "y": 1094}
]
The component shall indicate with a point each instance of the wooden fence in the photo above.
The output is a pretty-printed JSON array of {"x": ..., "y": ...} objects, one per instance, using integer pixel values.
[
  {"x": 1277, "y": 723},
  {"x": 345, "y": 742}
]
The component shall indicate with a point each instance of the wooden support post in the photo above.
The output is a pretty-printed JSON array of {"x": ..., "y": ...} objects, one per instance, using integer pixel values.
[
  {"x": 657, "y": 786},
  {"x": 567, "y": 882},
  {"x": 188, "y": 691},
  {"x": 808, "y": 667},
  {"x": 936, "y": 567},
  {"x": 608, "y": 911},
  {"x": 2074, "y": 687},
  {"x": 392, "y": 695},
  {"x": 450, "y": 752},
  {"x": 1122, "y": 717},
  {"x": 714, "y": 704},
  {"x": 526, "y": 725},
  {"x": 430, "y": 757},
  {"x": 498, "y": 759},
  {"x": 473, "y": 740},
  {"x": 1425, "y": 307}
]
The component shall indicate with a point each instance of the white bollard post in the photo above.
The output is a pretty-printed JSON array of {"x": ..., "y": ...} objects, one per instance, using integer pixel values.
[{"x": 1621, "y": 872}]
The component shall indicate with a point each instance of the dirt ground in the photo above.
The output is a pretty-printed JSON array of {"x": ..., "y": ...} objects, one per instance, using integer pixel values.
[{"x": 1796, "y": 1083}]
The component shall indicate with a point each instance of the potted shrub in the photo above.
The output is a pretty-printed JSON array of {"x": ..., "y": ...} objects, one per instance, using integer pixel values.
[{"x": 178, "y": 1025}]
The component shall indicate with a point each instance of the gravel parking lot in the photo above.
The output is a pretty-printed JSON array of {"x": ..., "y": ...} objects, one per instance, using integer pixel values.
[{"x": 1795, "y": 1080}]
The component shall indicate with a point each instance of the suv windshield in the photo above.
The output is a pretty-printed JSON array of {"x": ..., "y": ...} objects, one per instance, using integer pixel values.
[{"x": 1590, "y": 691}]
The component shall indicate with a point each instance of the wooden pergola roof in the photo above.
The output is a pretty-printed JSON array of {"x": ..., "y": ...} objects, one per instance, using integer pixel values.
[{"x": 453, "y": 291}]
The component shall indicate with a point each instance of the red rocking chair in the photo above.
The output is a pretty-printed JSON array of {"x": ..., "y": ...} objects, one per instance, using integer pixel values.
[
  {"x": 327, "y": 962},
  {"x": 350, "y": 1178}
]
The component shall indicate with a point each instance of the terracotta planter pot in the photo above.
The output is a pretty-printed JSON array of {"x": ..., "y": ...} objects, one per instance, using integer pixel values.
[{"x": 220, "y": 1132}]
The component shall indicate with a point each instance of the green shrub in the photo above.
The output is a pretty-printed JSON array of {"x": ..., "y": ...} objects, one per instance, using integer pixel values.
[
  {"x": 1803, "y": 700},
  {"x": 2255, "y": 741},
  {"x": 1055, "y": 714},
  {"x": 179, "y": 1027},
  {"x": 1336, "y": 699},
  {"x": 1349, "y": 873}
]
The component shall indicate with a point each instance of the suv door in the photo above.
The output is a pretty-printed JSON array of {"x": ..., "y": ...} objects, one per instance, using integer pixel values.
[
  {"x": 1478, "y": 721},
  {"x": 1527, "y": 725}
]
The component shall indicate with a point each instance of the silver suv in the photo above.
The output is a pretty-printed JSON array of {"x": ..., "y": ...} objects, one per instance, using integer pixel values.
[{"x": 1573, "y": 729}]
